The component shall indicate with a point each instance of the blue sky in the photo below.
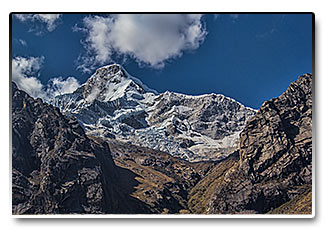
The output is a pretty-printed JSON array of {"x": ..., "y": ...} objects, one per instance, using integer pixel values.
[{"x": 249, "y": 57}]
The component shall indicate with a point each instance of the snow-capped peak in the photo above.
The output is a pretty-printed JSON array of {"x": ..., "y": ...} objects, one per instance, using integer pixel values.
[
  {"x": 114, "y": 104},
  {"x": 106, "y": 72},
  {"x": 111, "y": 82}
]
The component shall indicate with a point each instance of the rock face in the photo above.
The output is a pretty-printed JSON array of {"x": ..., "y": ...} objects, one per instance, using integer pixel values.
[
  {"x": 57, "y": 169},
  {"x": 113, "y": 104},
  {"x": 301, "y": 204},
  {"x": 275, "y": 155}
]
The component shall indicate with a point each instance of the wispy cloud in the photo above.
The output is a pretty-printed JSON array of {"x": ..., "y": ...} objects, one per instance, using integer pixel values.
[
  {"x": 216, "y": 16},
  {"x": 22, "y": 42},
  {"x": 272, "y": 29},
  {"x": 25, "y": 73},
  {"x": 267, "y": 33},
  {"x": 49, "y": 20},
  {"x": 234, "y": 16},
  {"x": 150, "y": 39}
]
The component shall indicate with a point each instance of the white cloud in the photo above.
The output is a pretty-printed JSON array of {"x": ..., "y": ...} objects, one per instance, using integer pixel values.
[
  {"x": 49, "y": 19},
  {"x": 58, "y": 86},
  {"x": 25, "y": 73},
  {"x": 93, "y": 94},
  {"x": 150, "y": 39}
]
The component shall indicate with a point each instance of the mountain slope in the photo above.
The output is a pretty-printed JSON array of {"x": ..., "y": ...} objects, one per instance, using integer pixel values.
[
  {"x": 275, "y": 164},
  {"x": 301, "y": 204},
  {"x": 164, "y": 181},
  {"x": 113, "y": 104},
  {"x": 57, "y": 169}
]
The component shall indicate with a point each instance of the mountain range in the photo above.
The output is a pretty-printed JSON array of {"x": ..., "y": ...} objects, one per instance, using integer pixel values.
[
  {"x": 115, "y": 146},
  {"x": 113, "y": 104}
]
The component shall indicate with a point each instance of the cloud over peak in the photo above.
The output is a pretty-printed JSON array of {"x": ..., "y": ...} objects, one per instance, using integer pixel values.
[{"x": 150, "y": 39}]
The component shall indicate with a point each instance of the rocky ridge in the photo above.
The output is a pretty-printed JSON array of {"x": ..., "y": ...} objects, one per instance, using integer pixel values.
[
  {"x": 57, "y": 169},
  {"x": 275, "y": 164}
]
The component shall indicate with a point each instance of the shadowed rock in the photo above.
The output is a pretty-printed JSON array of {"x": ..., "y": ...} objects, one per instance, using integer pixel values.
[
  {"x": 275, "y": 155},
  {"x": 57, "y": 169}
]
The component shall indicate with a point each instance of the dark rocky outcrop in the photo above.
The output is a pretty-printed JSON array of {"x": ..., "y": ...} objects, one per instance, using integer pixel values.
[
  {"x": 57, "y": 169},
  {"x": 301, "y": 204},
  {"x": 275, "y": 155}
]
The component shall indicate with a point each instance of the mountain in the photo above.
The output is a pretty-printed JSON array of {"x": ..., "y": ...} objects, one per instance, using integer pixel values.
[
  {"x": 57, "y": 169},
  {"x": 113, "y": 104},
  {"x": 273, "y": 171}
]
